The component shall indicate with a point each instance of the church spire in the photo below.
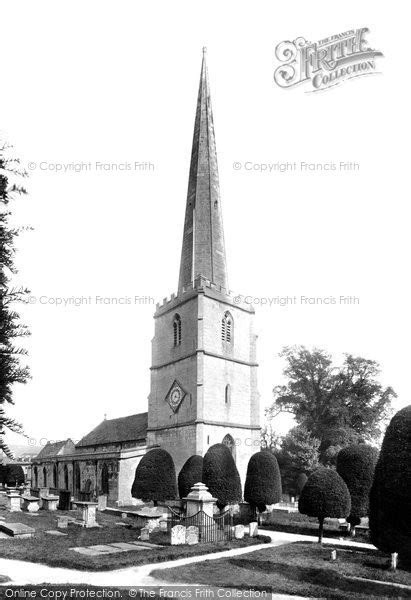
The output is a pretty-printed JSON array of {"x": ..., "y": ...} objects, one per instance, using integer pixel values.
[{"x": 203, "y": 251}]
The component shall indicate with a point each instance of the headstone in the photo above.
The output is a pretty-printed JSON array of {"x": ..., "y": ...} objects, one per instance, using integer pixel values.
[
  {"x": 239, "y": 532},
  {"x": 178, "y": 535},
  {"x": 124, "y": 515},
  {"x": 163, "y": 525},
  {"x": 102, "y": 502},
  {"x": 62, "y": 522},
  {"x": 152, "y": 524},
  {"x": 145, "y": 534},
  {"x": 14, "y": 502},
  {"x": 333, "y": 555},
  {"x": 192, "y": 535},
  {"x": 393, "y": 562},
  {"x": 253, "y": 529}
]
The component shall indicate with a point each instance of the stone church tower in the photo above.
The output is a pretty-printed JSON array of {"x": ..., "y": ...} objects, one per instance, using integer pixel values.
[{"x": 204, "y": 370}]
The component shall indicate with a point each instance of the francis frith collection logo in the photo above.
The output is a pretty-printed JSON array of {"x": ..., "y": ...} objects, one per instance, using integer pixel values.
[{"x": 325, "y": 63}]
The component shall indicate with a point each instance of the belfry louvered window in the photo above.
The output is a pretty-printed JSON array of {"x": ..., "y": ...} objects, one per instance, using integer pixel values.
[
  {"x": 227, "y": 327},
  {"x": 177, "y": 330}
]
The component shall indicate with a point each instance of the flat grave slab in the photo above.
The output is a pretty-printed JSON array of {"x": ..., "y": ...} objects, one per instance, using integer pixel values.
[
  {"x": 17, "y": 529},
  {"x": 105, "y": 549},
  {"x": 127, "y": 546},
  {"x": 146, "y": 544},
  {"x": 54, "y": 532}
]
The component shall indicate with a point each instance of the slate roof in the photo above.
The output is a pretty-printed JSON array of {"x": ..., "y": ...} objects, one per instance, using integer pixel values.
[
  {"x": 52, "y": 449},
  {"x": 124, "y": 429}
]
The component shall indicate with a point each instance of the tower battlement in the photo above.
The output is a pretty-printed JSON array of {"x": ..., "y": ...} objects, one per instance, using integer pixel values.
[{"x": 205, "y": 286}]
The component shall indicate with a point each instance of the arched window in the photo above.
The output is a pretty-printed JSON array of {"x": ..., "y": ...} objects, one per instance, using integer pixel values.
[
  {"x": 104, "y": 479},
  {"x": 36, "y": 478},
  {"x": 44, "y": 477},
  {"x": 66, "y": 479},
  {"x": 55, "y": 476},
  {"x": 227, "y": 328},
  {"x": 177, "y": 330},
  {"x": 228, "y": 441},
  {"x": 77, "y": 478},
  {"x": 227, "y": 393}
]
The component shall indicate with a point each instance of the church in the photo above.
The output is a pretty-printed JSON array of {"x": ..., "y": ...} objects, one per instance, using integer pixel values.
[{"x": 204, "y": 372}]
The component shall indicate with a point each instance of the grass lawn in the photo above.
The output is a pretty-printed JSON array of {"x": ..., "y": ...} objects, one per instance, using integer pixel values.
[
  {"x": 298, "y": 523},
  {"x": 302, "y": 568},
  {"x": 55, "y": 550}
]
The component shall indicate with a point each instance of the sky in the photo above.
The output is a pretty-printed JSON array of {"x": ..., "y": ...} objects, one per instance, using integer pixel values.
[{"x": 88, "y": 88}]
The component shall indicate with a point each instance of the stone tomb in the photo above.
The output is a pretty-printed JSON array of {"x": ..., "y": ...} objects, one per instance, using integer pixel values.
[
  {"x": 88, "y": 513},
  {"x": 50, "y": 502},
  {"x": 192, "y": 534},
  {"x": 14, "y": 502},
  {"x": 178, "y": 535},
  {"x": 30, "y": 504},
  {"x": 145, "y": 534},
  {"x": 18, "y": 530}
]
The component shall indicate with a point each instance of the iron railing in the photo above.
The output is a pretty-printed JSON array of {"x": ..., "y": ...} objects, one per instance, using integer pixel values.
[{"x": 217, "y": 528}]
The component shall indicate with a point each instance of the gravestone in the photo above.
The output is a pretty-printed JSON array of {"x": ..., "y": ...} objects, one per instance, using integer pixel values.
[
  {"x": 192, "y": 535},
  {"x": 145, "y": 534},
  {"x": 102, "y": 502},
  {"x": 253, "y": 529},
  {"x": 62, "y": 522},
  {"x": 163, "y": 525},
  {"x": 152, "y": 524},
  {"x": 178, "y": 535},
  {"x": 239, "y": 532}
]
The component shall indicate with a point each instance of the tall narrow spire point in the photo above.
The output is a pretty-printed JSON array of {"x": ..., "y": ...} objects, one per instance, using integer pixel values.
[{"x": 203, "y": 251}]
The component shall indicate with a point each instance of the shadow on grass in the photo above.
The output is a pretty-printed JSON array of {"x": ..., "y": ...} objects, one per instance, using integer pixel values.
[{"x": 319, "y": 577}]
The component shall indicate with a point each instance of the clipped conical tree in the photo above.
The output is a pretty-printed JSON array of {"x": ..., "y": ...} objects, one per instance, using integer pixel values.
[
  {"x": 155, "y": 477},
  {"x": 191, "y": 473},
  {"x": 325, "y": 495},
  {"x": 220, "y": 475},
  {"x": 263, "y": 481},
  {"x": 390, "y": 496},
  {"x": 356, "y": 465}
]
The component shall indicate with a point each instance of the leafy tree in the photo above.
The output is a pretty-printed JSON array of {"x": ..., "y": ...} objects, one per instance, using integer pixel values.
[
  {"x": 263, "y": 481},
  {"x": 300, "y": 482},
  {"x": 191, "y": 473},
  {"x": 390, "y": 496},
  {"x": 14, "y": 475},
  {"x": 11, "y": 369},
  {"x": 155, "y": 478},
  {"x": 356, "y": 465},
  {"x": 338, "y": 405},
  {"x": 325, "y": 495},
  {"x": 220, "y": 475},
  {"x": 270, "y": 440},
  {"x": 299, "y": 454}
]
